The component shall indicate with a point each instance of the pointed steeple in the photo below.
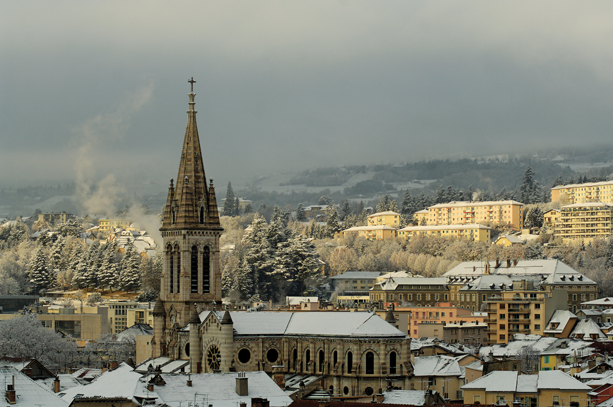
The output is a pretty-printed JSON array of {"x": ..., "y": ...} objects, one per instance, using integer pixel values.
[{"x": 189, "y": 204}]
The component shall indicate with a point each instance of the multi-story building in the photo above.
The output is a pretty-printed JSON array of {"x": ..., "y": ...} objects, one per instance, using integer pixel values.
[
  {"x": 376, "y": 232},
  {"x": 421, "y": 217},
  {"x": 546, "y": 273},
  {"x": 470, "y": 332},
  {"x": 54, "y": 217},
  {"x": 585, "y": 221},
  {"x": 118, "y": 315},
  {"x": 143, "y": 314},
  {"x": 354, "y": 282},
  {"x": 523, "y": 310},
  {"x": 582, "y": 193},
  {"x": 462, "y": 213},
  {"x": 388, "y": 218},
  {"x": 473, "y": 232},
  {"x": 419, "y": 291},
  {"x": 106, "y": 225},
  {"x": 551, "y": 218}
]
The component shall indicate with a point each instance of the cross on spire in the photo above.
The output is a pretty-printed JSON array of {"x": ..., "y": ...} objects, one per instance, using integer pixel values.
[{"x": 192, "y": 81}]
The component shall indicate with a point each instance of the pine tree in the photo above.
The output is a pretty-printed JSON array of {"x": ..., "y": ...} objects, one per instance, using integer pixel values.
[
  {"x": 108, "y": 276},
  {"x": 248, "y": 208},
  {"x": 228, "y": 205},
  {"x": 41, "y": 276},
  {"x": 407, "y": 208},
  {"x": 237, "y": 207},
  {"x": 94, "y": 260},
  {"x": 56, "y": 258},
  {"x": 332, "y": 225},
  {"x": 300, "y": 213},
  {"x": 528, "y": 187},
  {"x": 129, "y": 276}
]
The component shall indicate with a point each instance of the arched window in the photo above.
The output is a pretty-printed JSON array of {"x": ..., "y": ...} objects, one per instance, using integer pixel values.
[
  {"x": 349, "y": 362},
  {"x": 178, "y": 268},
  {"x": 194, "y": 270},
  {"x": 171, "y": 271},
  {"x": 206, "y": 283},
  {"x": 295, "y": 358},
  {"x": 335, "y": 358},
  {"x": 307, "y": 356},
  {"x": 321, "y": 361},
  {"x": 202, "y": 214},
  {"x": 370, "y": 363},
  {"x": 393, "y": 363}
]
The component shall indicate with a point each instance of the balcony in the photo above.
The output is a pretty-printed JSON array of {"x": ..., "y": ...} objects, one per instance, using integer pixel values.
[{"x": 490, "y": 320}]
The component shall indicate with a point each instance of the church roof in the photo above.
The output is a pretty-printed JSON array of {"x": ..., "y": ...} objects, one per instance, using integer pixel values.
[{"x": 324, "y": 323}]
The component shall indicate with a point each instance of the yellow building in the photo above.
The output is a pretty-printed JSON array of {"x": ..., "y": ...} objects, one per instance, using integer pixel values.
[
  {"x": 139, "y": 316},
  {"x": 478, "y": 233},
  {"x": 421, "y": 217},
  {"x": 523, "y": 310},
  {"x": 582, "y": 193},
  {"x": 378, "y": 232},
  {"x": 508, "y": 240},
  {"x": 463, "y": 213},
  {"x": 388, "y": 218},
  {"x": 106, "y": 225},
  {"x": 552, "y": 218},
  {"x": 547, "y": 388},
  {"x": 585, "y": 221}
]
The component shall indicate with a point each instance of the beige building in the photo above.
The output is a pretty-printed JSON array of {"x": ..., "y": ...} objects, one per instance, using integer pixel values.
[
  {"x": 524, "y": 309},
  {"x": 551, "y": 218},
  {"x": 583, "y": 193},
  {"x": 462, "y": 213},
  {"x": 389, "y": 218},
  {"x": 419, "y": 291},
  {"x": 476, "y": 232},
  {"x": 139, "y": 315},
  {"x": 585, "y": 221},
  {"x": 106, "y": 225},
  {"x": 545, "y": 389},
  {"x": 377, "y": 232},
  {"x": 421, "y": 217},
  {"x": 441, "y": 373}
]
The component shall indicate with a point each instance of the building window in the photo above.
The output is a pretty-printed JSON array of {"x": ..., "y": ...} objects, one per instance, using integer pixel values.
[
  {"x": 349, "y": 362},
  {"x": 194, "y": 270},
  {"x": 206, "y": 270},
  {"x": 370, "y": 363},
  {"x": 393, "y": 363},
  {"x": 171, "y": 272}
]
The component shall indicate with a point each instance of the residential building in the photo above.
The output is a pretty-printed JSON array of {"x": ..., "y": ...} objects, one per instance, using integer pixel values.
[
  {"x": 142, "y": 314},
  {"x": 585, "y": 221},
  {"x": 54, "y": 217},
  {"x": 421, "y": 217},
  {"x": 470, "y": 332},
  {"x": 563, "y": 352},
  {"x": 524, "y": 309},
  {"x": 354, "y": 283},
  {"x": 389, "y": 218},
  {"x": 582, "y": 193},
  {"x": 462, "y": 213},
  {"x": 441, "y": 373},
  {"x": 377, "y": 232},
  {"x": 508, "y": 240},
  {"x": 419, "y": 291},
  {"x": 473, "y": 232},
  {"x": 107, "y": 225},
  {"x": 551, "y": 218},
  {"x": 118, "y": 315},
  {"x": 545, "y": 273},
  {"x": 547, "y": 388},
  {"x": 561, "y": 324},
  {"x": 20, "y": 390},
  {"x": 600, "y": 303}
]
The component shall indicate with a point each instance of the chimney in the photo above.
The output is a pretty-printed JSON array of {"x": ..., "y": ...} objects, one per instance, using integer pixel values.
[
  {"x": 242, "y": 387},
  {"x": 56, "y": 385},
  {"x": 380, "y": 398},
  {"x": 497, "y": 263},
  {"x": 150, "y": 387},
  {"x": 11, "y": 395},
  {"x": 278, "y": 376},
  {"x": 243, "y": 404},
  {"x": 189, "y": 380},
  {"x": 474, "y": 268},
  {"x": 515, "y": 262},
  {"x": 259, "y": 402},
  {"x": 113, "y": 365},
  {"x": 508, "y": 262}
]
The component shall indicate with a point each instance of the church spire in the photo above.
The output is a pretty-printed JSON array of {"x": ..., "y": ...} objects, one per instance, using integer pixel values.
[{"x": 189, "y": 203}]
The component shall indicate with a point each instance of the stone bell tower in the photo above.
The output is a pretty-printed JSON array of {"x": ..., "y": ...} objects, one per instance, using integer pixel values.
[{"x": 190, "y": 231}]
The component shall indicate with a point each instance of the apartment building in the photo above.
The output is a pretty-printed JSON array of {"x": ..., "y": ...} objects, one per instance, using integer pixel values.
[
  {"x": 388, "y": 218},
  {"x": 473, "y": 232},
  {"x": 525, "y": 309},
  {"x": 585, "y": 221},
  {"x": 106, "y": 225},
  {"x": 551, "y": 218},
  {"x": 355, "y": 283},
  {"x": 419, "y": 291},
  {"x": 374, "y": 232},
  {"x": 462, "y": 213},
  {"x": 582, "y": 193},
  {"x": 421, "y": 217}
]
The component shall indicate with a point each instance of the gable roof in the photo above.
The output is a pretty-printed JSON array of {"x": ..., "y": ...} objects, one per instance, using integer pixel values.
[
  {"x": 29, "y": 393},
  {"x": 512, "y": 382}
]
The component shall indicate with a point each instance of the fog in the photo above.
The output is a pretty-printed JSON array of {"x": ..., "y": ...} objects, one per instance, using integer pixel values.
[{"x": 96, "y": 92}]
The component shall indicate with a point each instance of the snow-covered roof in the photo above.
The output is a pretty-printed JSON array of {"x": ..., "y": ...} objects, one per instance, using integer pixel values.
[
  {"x": 392, "y": 284},
  {"x": 299, "y": 300},
  {"x": 217, "y": 389},
  {"x": 129, "y": 334},
  {"x": 356, "y": 275},
  {"x": 512, "y": 382},
  {"x": 559, "y": 320},
  {"x": 408, "y": 397},
  {"x": 373, "y": 227},
  {"x": 337, "y": 324},
  {"x": 86, "y": 374},
  {"x": 510, "y": 238},
  {"x": 536, "y": 342},
  {"x": 588, "y": 205},
  {"x": 587, "y": 184},
  {"x": 591, "y": 312},
  {"x": 587, "y": 328},
  {"x": 489, "y": 282},
  {"x": 386, "y": 213},
  {"x": 443, "y": 227},
  {"x": 469, "y": 203},
  {"x": 119, "y": 382},
  {"x": 439, "y": 365},
  {"x": 66, "y": 382},
  {"x": 605, "y": 301},
  {"x": 28, "y": 392}
]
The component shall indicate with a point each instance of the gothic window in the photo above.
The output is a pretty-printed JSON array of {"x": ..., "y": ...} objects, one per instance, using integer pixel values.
[
  {"x": 349, "y": 362},
  {"x": 201, "y": 214},
  {"x": 321, "y": 361},
  {"x": 171, "y": 271},
  {"x": 213, "y": 358},
  {"x": 295, "y": 358},
  {"x": 206, "y": 254},
  {"x": 178, "y": 268},
  {"x": 307, "y": 356},
  {"x": 370, "y": 363},
  {"x": 194, "y": 270},
  {"x": 393, "y": 363},
  {"x": 335, "y": 358}
]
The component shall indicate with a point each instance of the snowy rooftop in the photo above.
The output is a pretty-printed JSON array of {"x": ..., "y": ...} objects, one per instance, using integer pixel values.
[
  {"x": 119, "y": 382},
  {"x": 299, "y": 300},
  {"x": 439, "y": 365},
  {"x": 587, "y": 328},
  {"x": 504, "y": 381},
  {"x": 356, "y": 275},
  {"x": 338, "y": 324},
  {"x": 468, "y": 203},
  {"x": 374, "y": 227},
  {"x": 588, "y": 205},
  {"x": 511, "y": 238},
  {"x": 558, "y": 321},
  {"x": 387, "y": 213},
  {"x": 489, "y": 282},
  {"x": 393, "y": 283},
  {"x": 443, "y": 227},
  {"x": 511, "y": 349},
  {"x": 605, "y": 301},
  {"x": 28, "y": 392},
  {"x": 587, "y": 184},
  {"x": 408, "y": 397}
]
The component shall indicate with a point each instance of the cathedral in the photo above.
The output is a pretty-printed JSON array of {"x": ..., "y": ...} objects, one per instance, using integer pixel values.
[{"x": 346, "y": 353}]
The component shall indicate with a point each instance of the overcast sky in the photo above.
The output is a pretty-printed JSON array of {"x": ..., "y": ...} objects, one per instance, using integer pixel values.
[{"x": 96, "y": 88}]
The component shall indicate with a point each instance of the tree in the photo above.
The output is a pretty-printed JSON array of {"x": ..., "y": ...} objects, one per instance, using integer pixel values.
[
  {"x": 152, "y": 273},
  {"x": 228, "y": 205},
  {"x": 300, "y": 213},
  {"x": 237, "y": 207},
  {"x": 107, "y": 275},
  {"x": 332, "y": 225},
  {"x": 129, "y": 276},
  {"x": 41, "y": 276},
  {"x": 529, "y": 190},
  {"x": 384, "y": 203},
  {"x": 325, "y": 200},
  {"x": 248, "y": 208}
]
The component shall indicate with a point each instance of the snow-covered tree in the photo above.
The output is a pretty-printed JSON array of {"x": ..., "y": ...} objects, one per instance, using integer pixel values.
[
  {"x": 108, "y": 272},
  {"x": 41, "y": 276},
  {"x": 129, "y": 277},
  {"x": 300, "y": 213},
  {"x": 228, "y": 205}
]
